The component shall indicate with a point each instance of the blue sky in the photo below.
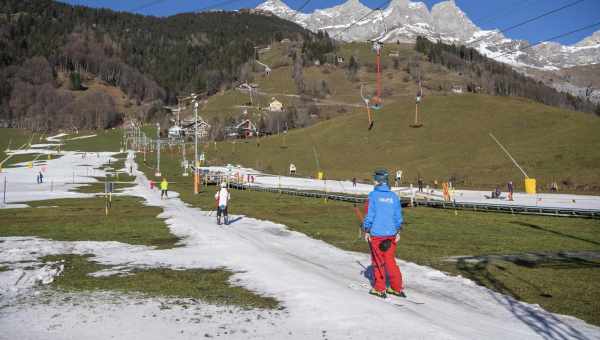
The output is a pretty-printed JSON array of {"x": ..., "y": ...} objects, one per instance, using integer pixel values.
[{"x": 487, "y": 14}]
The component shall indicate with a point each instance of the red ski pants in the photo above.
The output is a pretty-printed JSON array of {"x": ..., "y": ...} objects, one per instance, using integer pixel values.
[{"x": 384, "y": 264}]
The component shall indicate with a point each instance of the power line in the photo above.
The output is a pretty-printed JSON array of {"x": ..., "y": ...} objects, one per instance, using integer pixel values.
[
  {"x": 532, "y": 19},
  {"x": 380, "y": 37},
  {"x": 201, "y": 9},
  {"x": 509, "y": 9},
  {"x": 383, "y": 4},
  {"x": 552, "y": 38},
  {"x": 300, "y": 9},
  {"x": 146, "y": 5},
  {"x": 216, "y": 6}
]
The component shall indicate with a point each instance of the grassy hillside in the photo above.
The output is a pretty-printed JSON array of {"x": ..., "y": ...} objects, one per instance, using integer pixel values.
[
  {"x": 550, "y": 143},
  {"x": 343, "y": 92}
]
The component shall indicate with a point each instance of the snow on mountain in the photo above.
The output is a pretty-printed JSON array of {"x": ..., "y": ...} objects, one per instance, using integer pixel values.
[
  {"x": 277, "y": 7},
  {"x": 404, "y": 20},
  {"x": 449, "y": 20},
  {"x": 337, "y": 19},
  {"x": 280, "y": 9},
  {"x": 591, "y": 41}
]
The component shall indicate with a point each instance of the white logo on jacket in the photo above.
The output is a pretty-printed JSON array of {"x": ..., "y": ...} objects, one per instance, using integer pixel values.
[{"x": 387, "y": 200}]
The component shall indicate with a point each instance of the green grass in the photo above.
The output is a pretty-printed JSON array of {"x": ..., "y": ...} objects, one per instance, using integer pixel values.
[
  {"x": 97, "y": 188},
  {"x": 128, "y": 221},
  {"x": 208, "y": 285},
  {"x": 106, "y": 140},
  {"x": 12, "y": 161}
]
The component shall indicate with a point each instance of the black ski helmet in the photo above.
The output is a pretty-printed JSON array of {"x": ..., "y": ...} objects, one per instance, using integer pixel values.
[{"x": 381, "y": 176}]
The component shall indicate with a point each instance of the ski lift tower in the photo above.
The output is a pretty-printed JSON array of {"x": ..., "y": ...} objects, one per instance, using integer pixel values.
[
  {"x": 196, "y": 162},
  {"x": 417, "y": 124},
  {"x": 157, "y": 174}
]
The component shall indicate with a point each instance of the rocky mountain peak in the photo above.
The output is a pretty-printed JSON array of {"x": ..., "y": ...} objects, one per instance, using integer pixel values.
[
  {"x": 592, "y": 40},
  {"x": 349, "y": 7},
  {"x": 450, "y": 20},
  {"x": 399, "y": 4},
  {"x": 277, "y": 7}
]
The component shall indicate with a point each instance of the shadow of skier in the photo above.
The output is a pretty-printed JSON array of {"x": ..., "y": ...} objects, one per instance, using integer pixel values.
[{"x": 544, "y": 323}]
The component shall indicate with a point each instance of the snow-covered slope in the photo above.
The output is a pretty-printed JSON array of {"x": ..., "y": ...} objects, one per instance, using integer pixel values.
[{"x": 404, "y": 20}]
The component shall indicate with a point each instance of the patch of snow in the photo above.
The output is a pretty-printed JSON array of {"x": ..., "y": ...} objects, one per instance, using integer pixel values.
[
  {"x": 35, "y": 146},
  {"x": 416, "y": 5},
  {"x": 61, "y": 175},
  {"x": 82, "y": 137},
  {"x": 108, "y": 315},
  {"x": 16, "y": 281},
  {"x": 56, "y": 138}
]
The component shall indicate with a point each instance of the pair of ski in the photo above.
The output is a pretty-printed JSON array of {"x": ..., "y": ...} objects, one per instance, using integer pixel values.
[
  {"x": 225, "y": 222},
  {"x": 391, "y": 299}
]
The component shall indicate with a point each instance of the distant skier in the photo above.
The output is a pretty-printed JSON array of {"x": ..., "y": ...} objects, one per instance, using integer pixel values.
[
  {"x": 164, "y": 188},
  {"x": 420, "y": 183},
  {"x": 222, "y": 197},
  {"x": 40, "y": 178},
  {"x": 398, "y": 178},
  {"x": 510, "y": 190},
  {"x": 354, "y": 182},
  {"x": 382, "y": 227},
  {"x": 496, "y": 193}
]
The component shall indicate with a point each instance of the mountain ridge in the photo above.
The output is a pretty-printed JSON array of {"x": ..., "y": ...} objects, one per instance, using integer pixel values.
[{"x": 404, "y": 20}]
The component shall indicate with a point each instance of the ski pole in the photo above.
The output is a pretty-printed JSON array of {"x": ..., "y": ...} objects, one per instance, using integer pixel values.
[{"x": 360, "y": 218}]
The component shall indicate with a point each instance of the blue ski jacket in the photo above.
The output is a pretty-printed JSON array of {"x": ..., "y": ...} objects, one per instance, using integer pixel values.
[{"x": 384, "y": 217}]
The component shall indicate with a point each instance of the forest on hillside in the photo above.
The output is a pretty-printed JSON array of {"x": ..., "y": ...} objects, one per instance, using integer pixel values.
[
  {"x": 492, "y": 77},
  {"x": 151, "y": 59}
]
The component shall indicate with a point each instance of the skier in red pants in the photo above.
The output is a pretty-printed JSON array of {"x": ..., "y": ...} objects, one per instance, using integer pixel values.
[{"x": 382, "y": 227}]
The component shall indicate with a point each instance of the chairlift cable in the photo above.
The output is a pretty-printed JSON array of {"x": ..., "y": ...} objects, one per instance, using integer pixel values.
[
  {"x": 382, "y": 5},
  {"x": 551, "y": 38},
  {"x": 215, "y": 6},
  {"x": 571, "y": 4},
  {"x": 300, "y": 9},
  {"x": 146, "y": 5}
]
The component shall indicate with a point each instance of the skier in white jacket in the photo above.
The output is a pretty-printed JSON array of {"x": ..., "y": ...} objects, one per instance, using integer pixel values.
[{"x": 222, "y": 198}]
